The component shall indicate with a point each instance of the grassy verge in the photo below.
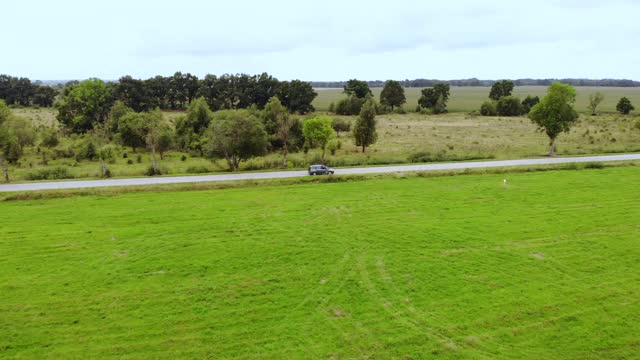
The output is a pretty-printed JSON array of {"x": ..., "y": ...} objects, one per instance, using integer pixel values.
[{"x": 118, "y": 190}]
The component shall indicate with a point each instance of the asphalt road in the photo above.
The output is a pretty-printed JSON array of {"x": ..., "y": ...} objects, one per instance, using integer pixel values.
[{"x": 291, "y": 174}]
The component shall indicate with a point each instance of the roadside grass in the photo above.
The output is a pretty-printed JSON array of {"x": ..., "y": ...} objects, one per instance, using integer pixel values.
[
  {"x": 469, "y": 98},
  {"x": 544, "y": 266},
  {"x": 401, "y": 139}
]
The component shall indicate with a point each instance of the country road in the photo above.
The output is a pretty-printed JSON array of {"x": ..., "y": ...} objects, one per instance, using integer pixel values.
[{"x": 290, "y": 174}]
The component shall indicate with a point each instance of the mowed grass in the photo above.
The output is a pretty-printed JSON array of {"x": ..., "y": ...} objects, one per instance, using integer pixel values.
[
  {"x": 469, "y": 98},
  {"x": 453, "y": 267}
]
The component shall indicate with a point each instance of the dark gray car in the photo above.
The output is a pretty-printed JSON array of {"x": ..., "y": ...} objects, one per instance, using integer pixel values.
[{"x": 320, "y": 170}]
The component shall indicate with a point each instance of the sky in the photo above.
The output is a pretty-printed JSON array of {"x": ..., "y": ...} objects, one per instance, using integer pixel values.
[{"x": 325, "y": 40}]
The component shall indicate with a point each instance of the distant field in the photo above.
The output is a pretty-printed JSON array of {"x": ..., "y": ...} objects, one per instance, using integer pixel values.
[
  {"x": 453, "y": 268},
  {"x": 465, "y": 99}
]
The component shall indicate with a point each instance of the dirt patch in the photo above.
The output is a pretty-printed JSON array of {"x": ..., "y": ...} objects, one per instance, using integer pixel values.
[{"x": 539, "y": 256}]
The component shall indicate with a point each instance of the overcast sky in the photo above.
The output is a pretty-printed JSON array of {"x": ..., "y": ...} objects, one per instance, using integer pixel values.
[{"x": 322, "y": 40}]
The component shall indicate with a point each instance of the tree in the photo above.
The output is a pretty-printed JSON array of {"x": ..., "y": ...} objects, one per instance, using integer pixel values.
[
  {"x": 5, "y": 140},
  {"x": 351, "y": 105},
  {"x": 318, "y": 131},
  {"x": 85, "y": 105},
  {"x": 594, "y": 101},
  {"x": 357, "y": 88},
  {"x": 555, "y": 114},
  {"x": 133, "y": 93},
  {"x": 431, "y": 96},
  {"x": 130, "y": 129},
  {"x": 296, "y": 96},
  {"x": 624, "y": 106},
  {"x": 528, "y": 103},
  {"x": 392, "y": 94},
  {"x": 49, "y": 140},
  {"x": 15, "y": 134},
  {"x": 509, "y": 106},
  {"x": 341, "y": 125},
  {"x": 155, "y": 131},
  {"x": 44, "y": 96},
  {"x": 235, "y": 135},
  {"x": 278, "y": 120},
  {"x": 190, "y": 128},
  {"x": 364, "y": 130},
  {"x": 501, "y": 89}
]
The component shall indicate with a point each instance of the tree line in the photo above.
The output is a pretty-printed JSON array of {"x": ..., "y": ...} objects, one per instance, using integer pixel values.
[
  {"x": 476, "y": 82},
  {"x": 176, "y": 92}
]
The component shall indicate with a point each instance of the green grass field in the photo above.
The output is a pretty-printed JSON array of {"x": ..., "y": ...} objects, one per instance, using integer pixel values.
[
  {"x": 469, "y": 98},
  {"x": 450, "y": 267}
]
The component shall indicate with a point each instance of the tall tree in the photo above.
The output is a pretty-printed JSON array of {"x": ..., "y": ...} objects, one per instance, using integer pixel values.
[
  {"x": 357, "y": 88},
  {"x": 364, "y": 131},
  {"x": 594, "y": 101},
  {"x": 154, "y": 131},
  {"x": 555, "y": 114},
  {"x": 318, "y": 131},
  {"x": 190, "y": 128},
  {"x": 85, "y": 105},
  {"x": 278, "y": 120},
  {"x": 501, "y": 89},
  {"x": 296, "y": 96},
  {"x": 235, "y": 135},
  {"x": 624, "y": 106},
  {"x": 392, "y": 94},
  {"x": 44, "y": 96},
  {"x": 435, "y": 98},
  {"x": 133, "y": 93}
]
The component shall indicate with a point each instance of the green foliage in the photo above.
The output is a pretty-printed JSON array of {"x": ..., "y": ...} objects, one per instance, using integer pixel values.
[
  {"x": 50, "y": 173},
  {"x": 435, "y": 98},
  {"x": 296, "y": 96},
  {"x": 130, "y": 129},
  {"x": 555, "y": 113},
  {"x": 332, "y": 107},
  {"x": 528, "y": 103},
  {"x": 351, "y": 105},
  {"x": 85, "y": 105},
  {"x": 501, "y": 89},
  {"x": 364, "y": 130},
  {"x": 624, "y": 106},
  {"x": 392, "y": 94},
  {"x": 49, "y": 138},
  {"x": 488, "y": 108},
  {"x": 318, "y": 131},
  {"x": 198, "y": 170},
  {"x": 235, "y": 135},
  {"x": 509, "y": 106},
  {"x": 191, "y": 128},
  {"x": 357, "y": 88},
  {"x": 132, "y": 93},
  {"x": 341, "y": 125},
  {"x": 594, "y": 101}
]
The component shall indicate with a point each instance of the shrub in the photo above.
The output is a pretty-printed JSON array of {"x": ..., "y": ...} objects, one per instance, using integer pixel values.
[
  {"x": 341, "y": 125},
  {"x": 509, "y": 106},
  {"x": 151, "y": 171},
  {"x": 55, "y": 173},
  {"x": 125, "y": 155},
  {"x": 332, "y": 146},
  {"x": 129, "y": 161},
  {"x": 197, "y": 170},
  {"x": 488, "y": 108},
  {"x": 183, "y": 157},
  {"x": 349, "y": 106},
  {"x": 139, "y": 159},
  {"x": 594, "y": 165}
]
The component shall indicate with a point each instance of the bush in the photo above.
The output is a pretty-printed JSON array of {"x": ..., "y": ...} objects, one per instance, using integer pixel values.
[
  {"x": 183, "y": 157},
  {"x": 594, "y": 165},
  {"x": 197, "y": 170},
  {"x": 152, "y": 172},
  {"x": 349, "y": 106},
  {"x": 488, "y": 108},
  {"x": 341, "y": 125},
  {"x": 418, "y": 108},
  {"x": 129, "y": 162},
  {"x": 125, "y": 155},
  {"x": 55, "y": 173},
  {"x": 139, "y": 159},
  {"x": 332, "y": 146},
  {"x": 509, "y": 106}
]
